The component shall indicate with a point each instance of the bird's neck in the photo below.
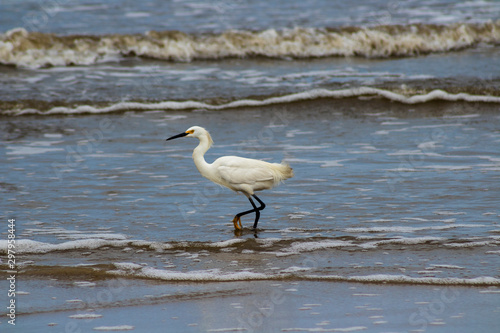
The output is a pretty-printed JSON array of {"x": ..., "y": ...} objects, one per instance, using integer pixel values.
[{"x": 198, "y": 156}]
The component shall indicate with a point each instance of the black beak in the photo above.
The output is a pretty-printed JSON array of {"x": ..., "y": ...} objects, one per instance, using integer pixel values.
[{"x": 177, "y": 136}]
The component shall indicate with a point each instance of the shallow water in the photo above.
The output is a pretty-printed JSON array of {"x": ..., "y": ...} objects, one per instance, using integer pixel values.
[
  {"x": 144, "y": 80},
  {"x": 378, "y": 197},
  {"x": 90, "y": 16}
]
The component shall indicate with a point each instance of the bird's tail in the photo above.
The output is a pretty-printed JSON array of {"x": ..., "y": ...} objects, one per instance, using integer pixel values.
[{"x": 284, "y": 171}]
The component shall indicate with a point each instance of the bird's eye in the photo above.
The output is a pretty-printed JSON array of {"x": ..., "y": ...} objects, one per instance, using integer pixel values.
[{"x": 190, "y": 131}]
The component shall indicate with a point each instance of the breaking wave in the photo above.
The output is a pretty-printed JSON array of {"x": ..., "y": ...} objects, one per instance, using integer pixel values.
[
  {"x": 434, "y": 95},
  {"x": 215, "y": 275},
  {"x": 304, "y": 260},
  {"x": 136, "y": 271},
  {"x": 276, "y": 246},
  {"x": 21, "y": 48}
]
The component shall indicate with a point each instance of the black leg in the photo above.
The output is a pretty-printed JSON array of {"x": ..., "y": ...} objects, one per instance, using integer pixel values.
[
  {"x": 255, "y": 210},
  {"x": 262, "y": 205}
]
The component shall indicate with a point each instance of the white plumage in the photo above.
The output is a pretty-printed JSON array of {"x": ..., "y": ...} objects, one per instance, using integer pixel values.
[
  {"x": 239, "y": 174},
  {"x": 249, "y": 175}
]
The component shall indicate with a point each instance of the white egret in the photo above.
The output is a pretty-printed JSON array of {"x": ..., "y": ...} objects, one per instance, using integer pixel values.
[{"x": 239, "y": 174}]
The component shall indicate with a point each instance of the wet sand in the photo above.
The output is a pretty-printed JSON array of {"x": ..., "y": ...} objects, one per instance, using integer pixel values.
[{"x": 276, "y": 306}]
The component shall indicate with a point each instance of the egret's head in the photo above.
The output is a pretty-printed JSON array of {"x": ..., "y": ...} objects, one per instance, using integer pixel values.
[{"x": 195, "y": 132}]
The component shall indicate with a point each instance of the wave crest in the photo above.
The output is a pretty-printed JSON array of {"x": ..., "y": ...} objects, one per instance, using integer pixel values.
[
  {"x": 21, "y": 48},
  {"x": 314, "y": 94}
]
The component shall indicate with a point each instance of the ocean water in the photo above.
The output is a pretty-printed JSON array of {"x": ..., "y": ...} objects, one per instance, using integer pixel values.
[{"x": 388, "y": 113}]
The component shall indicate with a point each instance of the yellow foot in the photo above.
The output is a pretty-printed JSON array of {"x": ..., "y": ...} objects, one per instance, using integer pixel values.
[{"x": 237, "y": 221}]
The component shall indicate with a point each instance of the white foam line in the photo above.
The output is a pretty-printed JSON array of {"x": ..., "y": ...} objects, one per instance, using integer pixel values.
[
  {"x": 22, "y": 150},
  {"x": 302, "y": 96},
  {"x": 387, "y": 278},
  {"x": 402, "y": 240},
  {"x": 31, "y": 246},
  {"x": 85, "y": 316},
  {"x": 447, "y": 266},
  {"x": 298, "y": 247},
  {"x": 229, "y": 329},
  {"x": 214, "y": 275},
  {"x": 320, "y": 329},
  {"x": 114, "y": 328},
  {"x": 470, "y": 244},
  {"x": 405, "y": 229},
  {"x": 26, "y": 246},
  {"x": 166, "y": 246}
]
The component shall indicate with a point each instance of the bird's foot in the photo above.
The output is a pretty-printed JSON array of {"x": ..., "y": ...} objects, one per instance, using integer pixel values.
[{"x": 237, "y": 223}]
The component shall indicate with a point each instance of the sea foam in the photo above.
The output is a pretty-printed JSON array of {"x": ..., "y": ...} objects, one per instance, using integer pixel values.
[
  {"x": 211, "y": 275},
  {"x": 403, "y": 279},
  {"x": 36, "y": 49},
  {"x": 281, "y": 247},
  {"x": 216, "y": 275},
  {"x": 435, "y": 95}
]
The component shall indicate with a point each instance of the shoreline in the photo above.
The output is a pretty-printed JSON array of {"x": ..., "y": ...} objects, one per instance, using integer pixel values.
[{"x": 288, "y": 306}]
